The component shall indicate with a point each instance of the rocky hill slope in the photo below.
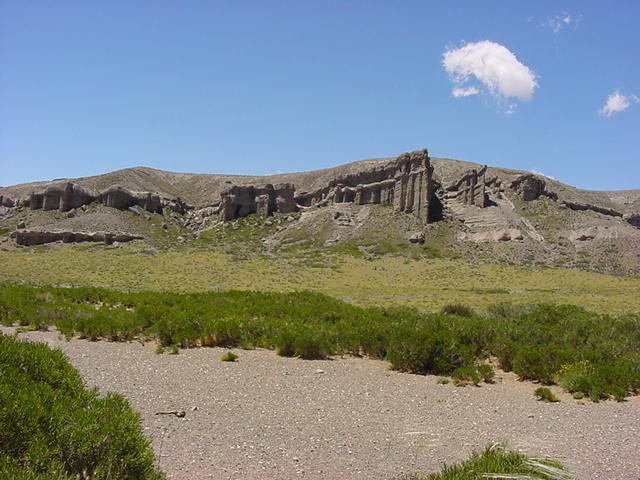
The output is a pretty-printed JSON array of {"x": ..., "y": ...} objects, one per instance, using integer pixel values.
[{"x": 435, "y": 206}]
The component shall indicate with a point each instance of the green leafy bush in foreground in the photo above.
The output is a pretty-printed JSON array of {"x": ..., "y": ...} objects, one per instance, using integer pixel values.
[
  {"x": 52, "y": 428},
  {"x": 596, "y": 354},
  {"x": 495, "y": 462}
]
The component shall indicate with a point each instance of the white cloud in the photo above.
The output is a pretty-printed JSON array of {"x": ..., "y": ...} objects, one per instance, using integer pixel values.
[
  {"x": 562, "y": 20},
  {"x": 496, "y": 69},
  {"x": 616, "y": 103},
  {"x": 464, "y": 92}
]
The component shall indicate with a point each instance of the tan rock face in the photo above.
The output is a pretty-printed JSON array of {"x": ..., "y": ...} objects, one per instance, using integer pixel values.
[
  {"x": 405, "y": 183},
  {"x": 470, "y": 188},
  {"x": 242, "y": 200},
  {"x": 61, "y": 197}
]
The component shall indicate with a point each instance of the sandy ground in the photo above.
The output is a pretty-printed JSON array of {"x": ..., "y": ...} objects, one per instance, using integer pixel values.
[{"x": 266, "y": 417}]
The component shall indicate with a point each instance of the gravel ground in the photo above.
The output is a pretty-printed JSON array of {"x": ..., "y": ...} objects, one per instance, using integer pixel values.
[{"x": 266, "y": 417}]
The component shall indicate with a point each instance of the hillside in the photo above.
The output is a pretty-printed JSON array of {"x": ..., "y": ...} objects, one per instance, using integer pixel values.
[{"x": 486, "y": 214}]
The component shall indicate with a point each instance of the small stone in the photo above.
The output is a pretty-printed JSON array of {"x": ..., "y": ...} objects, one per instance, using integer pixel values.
[
  {"x": 21, "y": 225},
  {"x": 319, "y": 370}
]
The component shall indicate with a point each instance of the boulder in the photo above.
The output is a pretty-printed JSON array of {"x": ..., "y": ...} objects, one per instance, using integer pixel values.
[
  {"x": 417, "y": 237},
  {"x": 632, "y": 219},
  {"x": 528, "y": 186}
]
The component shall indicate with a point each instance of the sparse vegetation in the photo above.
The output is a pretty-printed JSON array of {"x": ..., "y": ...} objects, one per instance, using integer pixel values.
[
  {"x": 582, "y": 351},
  {"x": 425, "y": 284},
  {"x": 51, "y": 427},
  {"x": 496, "y": 462}
]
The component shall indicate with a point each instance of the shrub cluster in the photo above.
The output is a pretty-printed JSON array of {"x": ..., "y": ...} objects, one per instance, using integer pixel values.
[
  {"x": 52, "y": 427},
  {"x": 597, "y": 355},
  {"x": 496, "y": 462}
]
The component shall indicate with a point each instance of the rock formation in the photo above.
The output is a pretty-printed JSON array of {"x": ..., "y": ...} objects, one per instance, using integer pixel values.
[
  {"x": 632, "y": 219},
  {"x": 31, "y": 237},
  {"x": 7, "y": 202},
  {"x": 594, "y": 208},
  {"x": 122, "y": 199},
  {"x": 470, "y": 189},
  {"x": 241, "y": 200},
  {"x": 405, "y": 183},
  {"x": 61, "y": 197},
  {"x": 68, "y": 196},
  {"x": 528, "y": 187}
]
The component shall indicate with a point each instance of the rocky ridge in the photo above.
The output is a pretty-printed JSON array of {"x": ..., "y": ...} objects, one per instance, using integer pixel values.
[{"x": 539, "y": 217}]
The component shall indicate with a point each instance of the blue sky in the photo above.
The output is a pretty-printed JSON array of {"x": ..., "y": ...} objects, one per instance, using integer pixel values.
[{"x": 259, "y": 87}]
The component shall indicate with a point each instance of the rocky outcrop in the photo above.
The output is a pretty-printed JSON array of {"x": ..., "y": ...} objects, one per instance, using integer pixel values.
[
  {"x": 69, "y": 196},
  {"x": 32, "y": 237},
  {"x": 500, "y": 235},
  {"x": 242, "y": 200},
  {"x": 594, "y": 208},
  {"x": 470, "y": 189},
  {"x": 61, "y": 197},
  {"x": 7, "y": 202},
  {"x": 121, "y": 198},
  {"x": 632, "y": 219},
  {"x": 528, "y": 187},
  {"x": 405, "y": 183}
]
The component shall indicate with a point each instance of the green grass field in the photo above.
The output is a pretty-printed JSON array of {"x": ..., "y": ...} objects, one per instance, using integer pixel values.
[{"x": 387, "y": 280}]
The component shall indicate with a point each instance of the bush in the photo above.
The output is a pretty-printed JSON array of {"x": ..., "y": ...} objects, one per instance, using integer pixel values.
[
  {"x": 464, "y": 376},
  {"x": 458, "y": 309},
  {"x": 51, "y": 427},
  {"x": 534, "y": 341},
  {"x": 496, "y": 462},
  {"x": 546, "y": 395},
  {"x": 229, "y": 357},
  {"x": 486, "y": 372}
]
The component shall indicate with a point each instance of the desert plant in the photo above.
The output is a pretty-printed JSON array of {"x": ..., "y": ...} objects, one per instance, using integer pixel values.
[
  {"x": 40, "y": 393},
  {"x": 458, "y": 309},
  {"x": 229, "y": 357},
  {"x": 464, "y": 376},
  {"x": 486, "y": 372},
  {"x": 497, "y": 463},
  {"x": 546, "y": 395}
]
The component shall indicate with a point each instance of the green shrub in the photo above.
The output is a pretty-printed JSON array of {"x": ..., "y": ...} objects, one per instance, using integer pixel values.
[
  {"x": 464, "y": 376},
  {"x": 486, "y": 372},
  {"x": 578, "y": 395},
  {"x": 229, "y": 357},
  {"x": 582, "y": 376},
  {"x": 51, "y": 427},
  {"x": 546, "y": 395},
  {"x": 534, "y": 341},
  {"x": 458, "y": 309},
  {"x": 496, "y": 462}
]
